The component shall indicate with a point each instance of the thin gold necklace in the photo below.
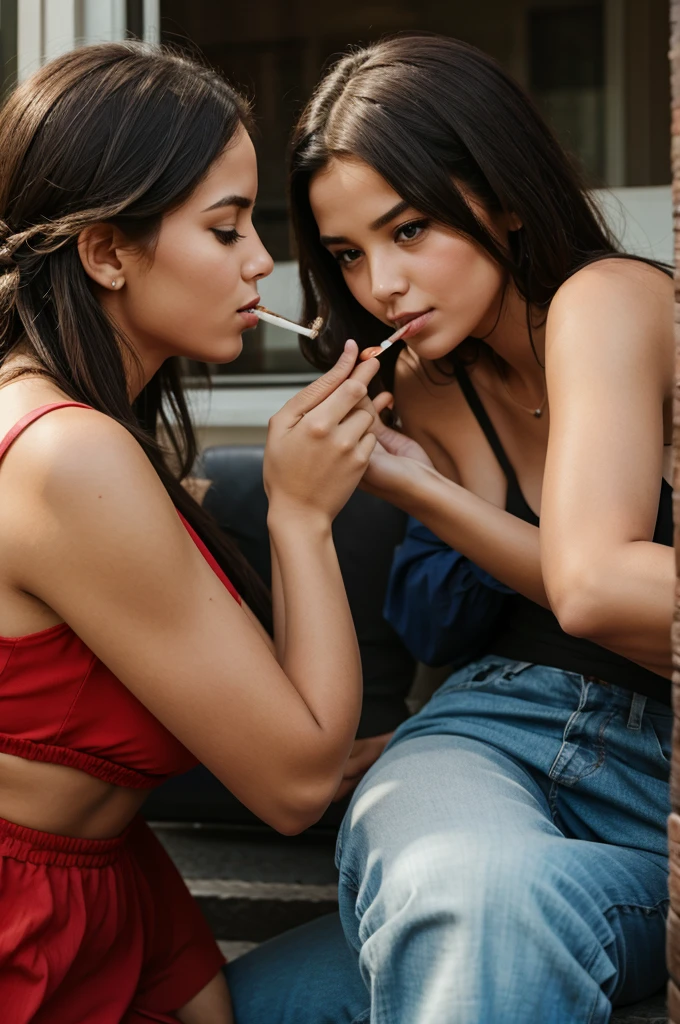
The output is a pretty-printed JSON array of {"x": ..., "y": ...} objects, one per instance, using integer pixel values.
[{"x": 537, "y": 412}]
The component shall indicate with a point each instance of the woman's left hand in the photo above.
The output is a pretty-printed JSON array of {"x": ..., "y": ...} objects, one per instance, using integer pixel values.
[
  {"x": 364, "y": 754},
  {"x": 394, "y": 457}
]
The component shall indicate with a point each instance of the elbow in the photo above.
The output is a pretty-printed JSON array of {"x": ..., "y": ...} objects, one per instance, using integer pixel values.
[
  {"x": 300, "y": 807},
  {"x": 576, "y": 604}
]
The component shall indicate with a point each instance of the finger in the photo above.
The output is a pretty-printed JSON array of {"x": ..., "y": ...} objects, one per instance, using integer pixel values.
[
  {"x": 336, "y": 406},
  {"x": 320, "y": 389},
  {"x": 385, "y": 400},
  {"x": 361, "y": 763},
  {"x": 366, "y": 371},
  {"x": 353, "y": 428},
  {"x": 345, "y": 787},
  {"x": 370, "y": 353},
  {"x": 365, "y": 446}
]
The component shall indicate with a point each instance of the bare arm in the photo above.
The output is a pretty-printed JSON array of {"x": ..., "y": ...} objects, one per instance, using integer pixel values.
[
  {"x": 105, "y": 549},
  {"x": 609, "y": 368},
  {"x": 499, "y": 543}
]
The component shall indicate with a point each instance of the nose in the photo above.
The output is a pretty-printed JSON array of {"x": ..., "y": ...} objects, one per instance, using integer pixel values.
[
  {"x": 387, "y": 280},
  {"x": 258, "y": 262}
]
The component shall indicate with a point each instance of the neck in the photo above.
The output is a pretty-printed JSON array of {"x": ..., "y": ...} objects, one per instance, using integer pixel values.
[{"x": 520, "y": 348}]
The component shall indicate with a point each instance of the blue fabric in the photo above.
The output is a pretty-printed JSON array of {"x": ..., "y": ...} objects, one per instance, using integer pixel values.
[
  {"x": 504, "y": 861},
  {"x": 442, "y": 605}
]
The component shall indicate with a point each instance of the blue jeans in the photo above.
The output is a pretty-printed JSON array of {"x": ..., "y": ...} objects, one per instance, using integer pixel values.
[{"x": 504, "y": 861}]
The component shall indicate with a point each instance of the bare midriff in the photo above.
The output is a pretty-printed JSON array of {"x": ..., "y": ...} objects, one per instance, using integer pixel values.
[{"x": 65, "y": 801}]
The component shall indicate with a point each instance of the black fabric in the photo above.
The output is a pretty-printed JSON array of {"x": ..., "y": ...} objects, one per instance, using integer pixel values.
[
  {"x": 528, "y": 632},
  {"x": 365, "y": 532}
]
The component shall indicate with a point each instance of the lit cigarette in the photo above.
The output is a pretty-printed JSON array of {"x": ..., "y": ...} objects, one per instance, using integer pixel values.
[{"x": 288, "y": 325}]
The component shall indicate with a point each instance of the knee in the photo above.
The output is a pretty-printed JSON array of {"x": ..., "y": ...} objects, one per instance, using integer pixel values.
[{"x": 461, "y": 879}]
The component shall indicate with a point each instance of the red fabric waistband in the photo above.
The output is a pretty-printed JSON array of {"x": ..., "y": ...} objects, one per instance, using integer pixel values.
[{"x": 34, "y": 847}]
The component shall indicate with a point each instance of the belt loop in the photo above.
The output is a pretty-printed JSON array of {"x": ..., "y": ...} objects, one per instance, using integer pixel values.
[{"x": 637, "y": 709}]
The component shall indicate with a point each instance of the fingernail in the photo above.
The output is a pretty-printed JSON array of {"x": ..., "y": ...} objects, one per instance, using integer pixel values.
[{"x": 350, "y": 341}]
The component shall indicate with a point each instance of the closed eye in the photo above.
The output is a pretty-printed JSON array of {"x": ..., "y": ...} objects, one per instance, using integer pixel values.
[{"x": 229, "y": 237}]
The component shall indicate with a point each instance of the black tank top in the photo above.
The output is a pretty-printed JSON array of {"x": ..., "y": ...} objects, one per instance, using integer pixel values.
[{"x": 528, "y": 632}]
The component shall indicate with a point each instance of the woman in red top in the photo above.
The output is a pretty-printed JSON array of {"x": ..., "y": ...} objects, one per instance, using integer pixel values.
[{"x": 127, "y": 181}]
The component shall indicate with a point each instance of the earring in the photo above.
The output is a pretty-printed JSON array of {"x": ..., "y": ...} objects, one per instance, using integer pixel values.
[{"x": 113, "y": 284}]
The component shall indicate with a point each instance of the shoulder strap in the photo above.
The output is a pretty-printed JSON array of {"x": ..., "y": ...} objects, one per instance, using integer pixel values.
[
  {"x": 31, "y": 417},
  {"x": 482, "y": 417}
]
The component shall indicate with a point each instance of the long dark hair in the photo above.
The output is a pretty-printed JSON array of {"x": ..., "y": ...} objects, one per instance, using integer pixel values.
[
  {"x": 123, "y": 133},
  {"x": 439, "y": 119}
]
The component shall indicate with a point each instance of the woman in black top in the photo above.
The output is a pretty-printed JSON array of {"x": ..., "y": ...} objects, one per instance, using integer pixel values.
[{"x": 505, "y": 859}]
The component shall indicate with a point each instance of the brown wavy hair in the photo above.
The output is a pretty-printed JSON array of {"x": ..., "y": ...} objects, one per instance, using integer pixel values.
[{"x": 123, "y": 133}]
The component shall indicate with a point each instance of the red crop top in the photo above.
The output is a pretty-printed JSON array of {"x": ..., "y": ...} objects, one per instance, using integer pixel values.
[{"x": 62, "y": 705}]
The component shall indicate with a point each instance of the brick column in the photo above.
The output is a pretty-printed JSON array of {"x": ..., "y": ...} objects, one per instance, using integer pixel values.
[{"x": 673, "y": 943}]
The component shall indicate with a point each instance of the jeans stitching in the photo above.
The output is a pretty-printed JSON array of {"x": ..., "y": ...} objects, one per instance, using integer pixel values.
[
  {"x": 585, "y": 686},
  {"x": 601, "y": 749}
]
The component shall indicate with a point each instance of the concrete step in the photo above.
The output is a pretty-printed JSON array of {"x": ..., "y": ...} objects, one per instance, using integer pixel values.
[
  {"x": 651, "y": 1011},
  {"x": 253, "y": 884}
]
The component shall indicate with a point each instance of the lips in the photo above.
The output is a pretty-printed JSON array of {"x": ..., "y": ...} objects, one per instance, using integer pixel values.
[
  {"x": 249, "y": 305},
  {"x": 406, "y": 318},
  {"x": 416, "y": 323}
]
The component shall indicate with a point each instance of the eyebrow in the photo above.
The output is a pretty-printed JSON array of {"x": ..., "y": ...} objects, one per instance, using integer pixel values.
[
  {"x": 241, "y": 201},
  {"x": 375, "y": 225}
]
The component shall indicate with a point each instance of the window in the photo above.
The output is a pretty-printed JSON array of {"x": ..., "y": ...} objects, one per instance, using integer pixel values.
[
  {"x": 276, "y": 50},
  {"x": 566, "y": 77},
  {"x": 8, "y": 45}
]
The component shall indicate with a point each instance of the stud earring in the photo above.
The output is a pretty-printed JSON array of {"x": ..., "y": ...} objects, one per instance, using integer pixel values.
[{"x": 113, "y": 284}]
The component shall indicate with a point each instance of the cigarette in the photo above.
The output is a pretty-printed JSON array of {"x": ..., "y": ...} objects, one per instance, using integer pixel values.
[{"x": 288, "y": 325}]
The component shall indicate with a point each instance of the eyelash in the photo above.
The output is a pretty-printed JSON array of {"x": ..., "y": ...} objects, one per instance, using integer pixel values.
[
  {"x": 422, "y": 223},
  {"x": 230, "y": 237}
]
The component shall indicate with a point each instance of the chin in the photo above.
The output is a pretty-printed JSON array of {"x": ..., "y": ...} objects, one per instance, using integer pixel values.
[
  {"x": 433, "y": 348},
  {"x": 225, "y": 351}
]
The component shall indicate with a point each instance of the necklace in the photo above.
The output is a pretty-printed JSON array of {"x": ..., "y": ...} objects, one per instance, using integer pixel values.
[{"x": 537, "y": 412}]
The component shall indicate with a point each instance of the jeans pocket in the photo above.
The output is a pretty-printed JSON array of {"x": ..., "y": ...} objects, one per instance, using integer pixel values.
[{"x": 661, "y": 728}]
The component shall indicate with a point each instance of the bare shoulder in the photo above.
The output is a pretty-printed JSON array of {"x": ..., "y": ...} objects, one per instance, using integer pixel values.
[
  {"x": 616, "y": 310},
  {"x": 76, "y": 451},
  {"x": 86, "y": 481},
  {"x": 611, "y": 287}
]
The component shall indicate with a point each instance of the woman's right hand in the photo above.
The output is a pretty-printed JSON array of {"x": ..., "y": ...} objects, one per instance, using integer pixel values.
[{"x": 320, "y": 443}]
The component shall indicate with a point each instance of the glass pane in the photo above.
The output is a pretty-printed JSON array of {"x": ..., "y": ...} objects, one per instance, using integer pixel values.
[
  {"x": 8, "y": 45},
  {"x": 566, "y": 54}
]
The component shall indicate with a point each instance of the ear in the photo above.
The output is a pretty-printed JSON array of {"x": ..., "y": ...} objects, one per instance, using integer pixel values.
[{"x": 98, "y": 250}]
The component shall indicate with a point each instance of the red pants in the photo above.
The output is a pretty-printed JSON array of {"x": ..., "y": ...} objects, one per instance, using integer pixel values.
[{"x": 98, "y": 931}]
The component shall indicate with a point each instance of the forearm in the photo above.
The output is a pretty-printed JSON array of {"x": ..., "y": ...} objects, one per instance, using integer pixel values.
[
  {"x": 628, "y": 608},
  {"x": 503, "y": 545},
  {"x": 320, "y": 651}
]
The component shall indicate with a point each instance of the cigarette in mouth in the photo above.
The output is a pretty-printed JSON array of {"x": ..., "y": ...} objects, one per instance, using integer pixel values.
[{"x": 288, "y": 325}]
